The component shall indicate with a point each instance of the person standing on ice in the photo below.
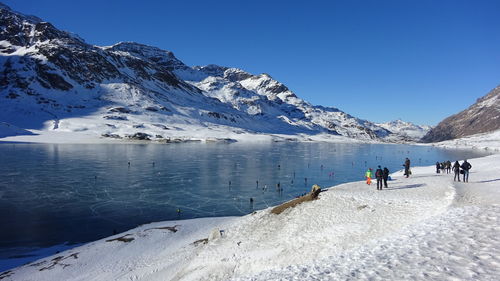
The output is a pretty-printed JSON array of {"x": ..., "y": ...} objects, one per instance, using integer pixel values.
[
  {"x": 466, "y": 166},
  {"x": 379, "y": 174},
  {"x": 385, "y": 176},
  {"x": 456, "y": 170},
  {"x": 438, "y": 167},
  {"x": 407, "y": 167},
  {"x": 369, "y": 175}
]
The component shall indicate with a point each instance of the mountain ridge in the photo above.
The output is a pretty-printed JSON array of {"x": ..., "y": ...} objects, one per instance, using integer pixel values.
[
  {"x": 481, "y": 117},
  {"x": 53, "y": 80}
]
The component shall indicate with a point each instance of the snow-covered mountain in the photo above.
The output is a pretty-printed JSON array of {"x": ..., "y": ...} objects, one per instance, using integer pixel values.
[
  {"x": 481, "y": 117},
  {"x": 55, "y": 82},
  {"x": 401, "y": 128}
]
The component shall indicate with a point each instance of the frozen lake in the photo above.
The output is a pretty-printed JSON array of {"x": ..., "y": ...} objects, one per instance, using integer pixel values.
[{"x": 52, "y": 194}]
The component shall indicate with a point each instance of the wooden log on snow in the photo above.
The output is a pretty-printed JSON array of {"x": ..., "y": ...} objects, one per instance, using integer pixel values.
[{"x": 312, "y": 195}]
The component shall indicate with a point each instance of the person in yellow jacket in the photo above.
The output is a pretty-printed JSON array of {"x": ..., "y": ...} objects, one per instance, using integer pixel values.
[{"x": 369, "y": 175}]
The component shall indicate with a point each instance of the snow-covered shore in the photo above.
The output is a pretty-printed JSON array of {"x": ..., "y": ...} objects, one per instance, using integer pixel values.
[
  {"x": 423, "y": 227},
  {"x": 11, "y": 133},
  {"x": 486, "y": 141}
]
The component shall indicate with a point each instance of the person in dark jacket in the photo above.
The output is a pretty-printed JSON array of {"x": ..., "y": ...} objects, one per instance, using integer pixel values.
[
  {"x": 407, "y": 167},
  {"x": 456, "y": 170},
  {"x": 379, "y": 174},
  {"x": 466, "y": 166},
  {"x": 385, "y": 176},
  {"x": 448, "y": 166},
  {"x": 438, "y": 167}
]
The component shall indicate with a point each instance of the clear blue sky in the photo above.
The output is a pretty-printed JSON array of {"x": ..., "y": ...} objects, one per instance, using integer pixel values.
[{"x": 417, "y": 60}]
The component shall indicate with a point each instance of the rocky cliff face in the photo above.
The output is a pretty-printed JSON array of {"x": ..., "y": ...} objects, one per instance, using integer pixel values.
[
  {"x": 481, "y": 117},
  {"x": 52, "y": 78}
]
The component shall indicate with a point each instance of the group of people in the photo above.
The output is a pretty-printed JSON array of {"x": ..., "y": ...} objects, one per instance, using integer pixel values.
[
  {"x": 461, "y": 169},
  {"x": 443, "y": 167},
  {"x": 382, "y": 175},
  {"x": 458, "y": 169}
]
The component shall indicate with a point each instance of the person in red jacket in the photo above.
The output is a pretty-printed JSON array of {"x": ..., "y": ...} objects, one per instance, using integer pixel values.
[{"x": 369, "y": 175}]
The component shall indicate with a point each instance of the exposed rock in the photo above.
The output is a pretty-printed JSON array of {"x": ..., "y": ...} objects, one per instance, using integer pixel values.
[
  {"x": 161, "y": 126},
  {"x": 152, "y": 108},
  {"x": 51, "y": 80},
  {"x": 119, "y": 109},
  {"x": 113, "y": 136},
  {"x": 140, "y": 136},
  {"x": 123, "y": 238},
  {"x": 225, "y": 140},
  {"x": 114, "y": 117}
]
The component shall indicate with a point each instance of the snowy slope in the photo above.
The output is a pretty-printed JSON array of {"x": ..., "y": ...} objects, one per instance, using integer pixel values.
[
  {"x": 52, "y": 81},
  {"x": 449, "y": 229},
  {"x": 7, "y": 130},
  {"x": 401, "y": 128},
  {"x": 261, "y": 95}
]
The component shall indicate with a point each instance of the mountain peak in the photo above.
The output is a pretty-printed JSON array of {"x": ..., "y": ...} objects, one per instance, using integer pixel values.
[
  {"x": 3, "y": 6},
  {"x": 4, "y": 10},
  {"x": 135, "y": 47},
  {"x": 22, "y": 30},
  {"x": 236, "y": 74},
  {"x": 404, "y": 128},
  {"x": 212, "y": 69},
  {"x": 149, "y": 53}
]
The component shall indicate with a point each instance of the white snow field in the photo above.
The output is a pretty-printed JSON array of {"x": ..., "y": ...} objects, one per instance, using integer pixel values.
[
  {"x": 486, "y": 141},
  {"x": 77, "y": 130},
  {"x": 426, "y": 227}
]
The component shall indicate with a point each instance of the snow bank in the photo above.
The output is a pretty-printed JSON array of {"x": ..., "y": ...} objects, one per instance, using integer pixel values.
[
  {"x": 78, "y": 131},
  {"x": 460, "y": 243},
  {"x": 486, "y": 141},
  {"x": 422, "y": 227}
]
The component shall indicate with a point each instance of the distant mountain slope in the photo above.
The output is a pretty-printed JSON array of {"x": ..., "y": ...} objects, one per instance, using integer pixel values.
[
  {"x": 481, "y": 117},
  {"x": 52, "y": 80},
  {"x": 401, "y": 128}
]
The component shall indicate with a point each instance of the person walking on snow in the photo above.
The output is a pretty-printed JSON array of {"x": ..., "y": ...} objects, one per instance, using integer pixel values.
[
  {"x": 407, "y": 167},
  {"x": 456, "y": 170},
  {"x": 385, "y": 176},
  {"x": 369, "y": 175},
  {"x": 448, "y": 166},
  {"x": 466, "y": 166},
  {"x": 438, "y": 167},
  {"x": 379, "y": 174}
]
